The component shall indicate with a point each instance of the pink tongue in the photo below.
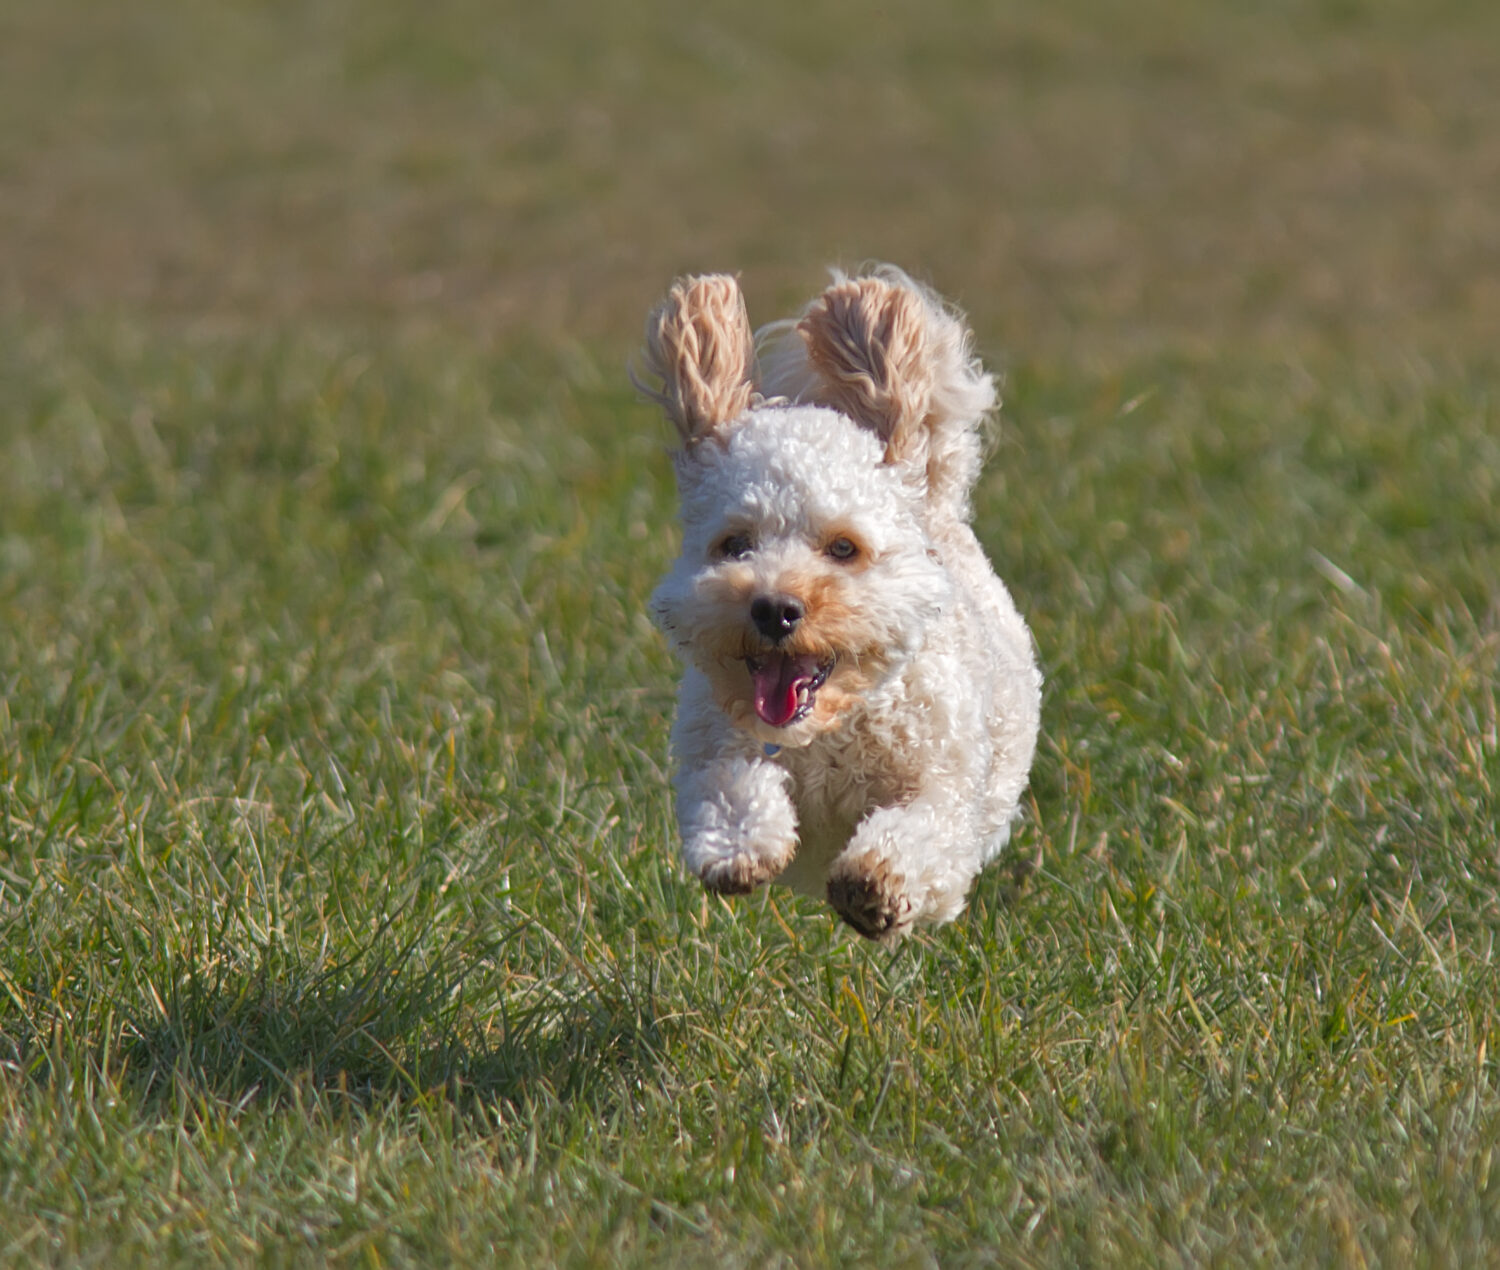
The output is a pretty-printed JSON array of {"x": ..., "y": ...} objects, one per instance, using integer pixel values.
[{"x": 776, "y": 684}]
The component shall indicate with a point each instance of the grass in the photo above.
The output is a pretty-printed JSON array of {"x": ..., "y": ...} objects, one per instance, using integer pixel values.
[{"x": 339, "y": 920}]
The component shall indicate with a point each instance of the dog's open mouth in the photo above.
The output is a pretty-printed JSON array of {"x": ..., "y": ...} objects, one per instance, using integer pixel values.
[{"x": 785, "y": 686}]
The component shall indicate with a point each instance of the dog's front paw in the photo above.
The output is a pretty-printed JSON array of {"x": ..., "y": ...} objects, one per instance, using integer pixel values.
[
  {"x": 741, "y": 873},
  {"x": 872, "y": 899},
  {"x": 739, "y": 829}
]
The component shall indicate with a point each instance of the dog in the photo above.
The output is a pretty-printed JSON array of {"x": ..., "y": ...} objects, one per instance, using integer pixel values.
[{"x": 861, "y": 698}]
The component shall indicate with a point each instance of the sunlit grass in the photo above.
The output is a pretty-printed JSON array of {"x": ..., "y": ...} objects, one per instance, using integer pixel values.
[{"x": 339, "y": 900}]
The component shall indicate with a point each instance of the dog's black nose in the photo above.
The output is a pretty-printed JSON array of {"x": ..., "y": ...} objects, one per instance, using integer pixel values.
[{"x": 776, "y": 616}]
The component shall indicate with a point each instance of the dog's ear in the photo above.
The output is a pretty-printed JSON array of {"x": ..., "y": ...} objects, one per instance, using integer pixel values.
[
  {"x": 699, "y": 345},
  {"x": 867, "y": 341}
]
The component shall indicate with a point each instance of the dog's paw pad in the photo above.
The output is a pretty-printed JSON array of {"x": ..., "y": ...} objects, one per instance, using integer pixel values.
[{"x": 873, "y": 903}]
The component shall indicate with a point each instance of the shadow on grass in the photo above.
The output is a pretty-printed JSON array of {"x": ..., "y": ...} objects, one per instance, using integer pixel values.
[{"x": 380, "y": 1031}]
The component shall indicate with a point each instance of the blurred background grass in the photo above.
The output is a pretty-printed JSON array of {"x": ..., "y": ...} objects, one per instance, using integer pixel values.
[{"x": 1089, "y": 177}]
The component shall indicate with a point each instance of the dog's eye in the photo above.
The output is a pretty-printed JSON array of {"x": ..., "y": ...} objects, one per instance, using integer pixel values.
[
  {"x": 734, "y": 547},
  {"x": 843, "y": 549}
]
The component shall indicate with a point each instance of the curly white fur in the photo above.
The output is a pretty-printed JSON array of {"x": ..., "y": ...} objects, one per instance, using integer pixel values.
[{"x": 861, "y": 700}]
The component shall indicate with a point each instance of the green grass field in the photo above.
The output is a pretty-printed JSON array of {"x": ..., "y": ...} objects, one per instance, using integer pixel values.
[{"x": 339, "y": 913}]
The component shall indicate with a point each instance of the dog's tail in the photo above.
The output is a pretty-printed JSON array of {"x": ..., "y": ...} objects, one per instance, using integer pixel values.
[{"x": 887, "y": 352}]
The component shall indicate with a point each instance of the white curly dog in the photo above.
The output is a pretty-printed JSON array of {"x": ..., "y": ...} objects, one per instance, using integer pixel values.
[{"x": 861, "y": 700}]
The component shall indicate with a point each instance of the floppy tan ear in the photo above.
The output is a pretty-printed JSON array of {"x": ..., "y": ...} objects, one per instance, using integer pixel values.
[
  {"x": 699, "y": 344},
  {"x": 867, "y": 340}
]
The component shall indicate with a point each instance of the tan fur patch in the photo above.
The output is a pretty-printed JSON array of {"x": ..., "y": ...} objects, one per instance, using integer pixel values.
[
  {"x": 867, "y": 339},
  {"x": 699, "y": 344},
  {"x": 846, "y": 688},
  {"x": 832, "y": 621}
]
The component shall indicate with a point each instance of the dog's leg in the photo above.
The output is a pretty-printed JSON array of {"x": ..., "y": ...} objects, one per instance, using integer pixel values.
[
  {"x": 739, "y": 828},
  {"x": 904, "y": 865}
]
